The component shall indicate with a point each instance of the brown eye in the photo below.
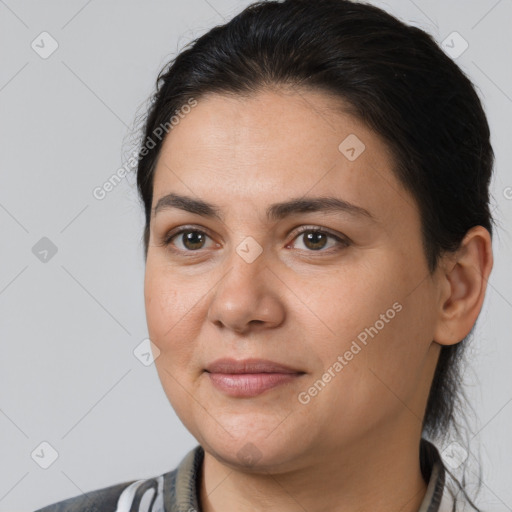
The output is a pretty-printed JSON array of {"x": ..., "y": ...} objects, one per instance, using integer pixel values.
[
  {"x": 314, "y": 239},
  {"x": 193, "y": 239},
  {"x": 188, "y": 240}
]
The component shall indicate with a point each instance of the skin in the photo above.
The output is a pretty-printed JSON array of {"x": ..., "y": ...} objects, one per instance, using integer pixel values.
[{"x": 353, "y": 446}]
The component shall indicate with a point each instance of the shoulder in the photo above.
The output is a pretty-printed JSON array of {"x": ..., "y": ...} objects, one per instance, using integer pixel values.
[
  {"x": 115, "y": 498},
  {"x": 169, "y": 491},
  {"x": 93, "y": 501}
]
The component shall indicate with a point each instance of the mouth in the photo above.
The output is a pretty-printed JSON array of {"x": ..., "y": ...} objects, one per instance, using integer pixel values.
[{"x": 249, "y": 377}]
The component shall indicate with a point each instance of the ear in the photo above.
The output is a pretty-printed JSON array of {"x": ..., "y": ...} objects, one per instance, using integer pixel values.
[{"x": 463, "y": 282}]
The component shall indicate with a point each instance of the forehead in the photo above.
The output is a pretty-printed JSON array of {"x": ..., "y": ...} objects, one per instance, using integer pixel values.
[
  {"x": 275, "y": 144},
  {"x": 288, "y": 124}
]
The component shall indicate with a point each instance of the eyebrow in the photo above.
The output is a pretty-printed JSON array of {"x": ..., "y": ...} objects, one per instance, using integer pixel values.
[{"x": 276, "y": 211}]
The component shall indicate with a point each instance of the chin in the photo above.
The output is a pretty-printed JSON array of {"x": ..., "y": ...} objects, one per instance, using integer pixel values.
[{"x": 255, "y": 453}]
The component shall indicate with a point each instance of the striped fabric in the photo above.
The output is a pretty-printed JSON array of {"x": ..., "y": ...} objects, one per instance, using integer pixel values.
[{"x": 178, "y": 490}]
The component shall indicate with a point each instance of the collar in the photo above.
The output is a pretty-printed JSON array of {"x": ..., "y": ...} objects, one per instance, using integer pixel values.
[{"x": 181, "y": 486}]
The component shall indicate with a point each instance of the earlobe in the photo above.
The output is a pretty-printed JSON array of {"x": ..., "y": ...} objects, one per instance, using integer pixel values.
[{"x": 463, "y": 285}]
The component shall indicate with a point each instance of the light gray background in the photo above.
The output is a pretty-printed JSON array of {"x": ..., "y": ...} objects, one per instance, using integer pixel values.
[{"x": 68, "y": 375}]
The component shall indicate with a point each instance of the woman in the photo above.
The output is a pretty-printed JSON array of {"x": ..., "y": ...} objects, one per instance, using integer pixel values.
[{"x": 315, "y": 179}]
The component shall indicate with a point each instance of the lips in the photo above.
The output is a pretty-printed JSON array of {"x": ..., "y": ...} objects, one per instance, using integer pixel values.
[{"x": 249, "y": 377}]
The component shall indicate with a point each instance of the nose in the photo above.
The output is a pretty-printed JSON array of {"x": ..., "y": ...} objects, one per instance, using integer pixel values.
[{"x": 246, "y": 297}]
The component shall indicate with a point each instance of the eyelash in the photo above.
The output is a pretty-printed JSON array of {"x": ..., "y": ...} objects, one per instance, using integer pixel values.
[{"x": 341, "y": 241}]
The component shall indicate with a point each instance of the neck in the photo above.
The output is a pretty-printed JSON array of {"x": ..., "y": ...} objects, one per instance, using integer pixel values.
[{"x": 376, "y": 474}]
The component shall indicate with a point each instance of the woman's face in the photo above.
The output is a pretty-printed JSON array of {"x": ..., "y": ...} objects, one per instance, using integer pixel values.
[{"x": 349, "y": 311}]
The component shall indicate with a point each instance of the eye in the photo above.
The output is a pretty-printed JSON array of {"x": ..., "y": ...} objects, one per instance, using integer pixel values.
[
  {"x": 190, "y": 239},
  {"x": 316, "y": 239}
]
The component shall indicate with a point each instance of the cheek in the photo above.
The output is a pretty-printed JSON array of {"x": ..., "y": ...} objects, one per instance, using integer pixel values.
[
  {"x": 169, "y": 308},
  {"x": 162, "y": 307},
  {"x": 342, "y": 310},
  {"x": 170, "y": 315},
  {"x": 350, "y": 302},
  {"x": 369, "y": 315},
  {"x": 407, "y": 337},
  {"x": 397, "y": 350}
]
